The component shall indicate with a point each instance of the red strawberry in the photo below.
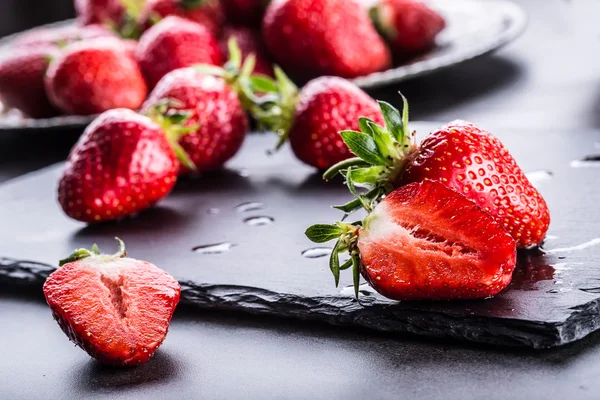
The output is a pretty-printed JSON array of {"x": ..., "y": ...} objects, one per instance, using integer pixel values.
[
  {"x": 216, "y": 117},
  {"x": 123, "y": 164},
  {"x": 410, "y": 26},
  {"x": 425, "y": 241},
  {"x": 310, "y": 38},
  {"x": 245, "y": 12},
  {"x": 175, "y": 43},
  {"x": 117, "y": 309},
  {"x": 461, "y": 156},
  {"x": 206, "y": 12},
  {"x": 94, "y": 76},
  {"x": 22, "y": 81},
  {"x": 249, "y": 42},
  {"x": 61, "y": 36},
  {"x": 105, "y": 12}
]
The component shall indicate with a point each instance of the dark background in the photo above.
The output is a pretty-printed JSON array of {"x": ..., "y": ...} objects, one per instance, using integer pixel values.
[{"x": 548, "y": 80}]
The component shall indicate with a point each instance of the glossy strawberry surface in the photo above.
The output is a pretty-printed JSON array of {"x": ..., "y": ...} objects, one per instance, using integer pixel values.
[
  {"x": 117, "y": 309},
  {"x": 175, "y": 43},
  {"x": 250, "y": 42},
  {"x": 22, "y": 81},
  {"x": 206, "y": 12},
  {"x": 121, "y": 165},
  {"x": 476, "y": 164},
  {"x": 214, "y": 108},
  {"x": 326, "y": 106},
  {"x": 310, "y": 38},
  {"x": 94, "y": 76},
  {"x": 425, "y": 241}
]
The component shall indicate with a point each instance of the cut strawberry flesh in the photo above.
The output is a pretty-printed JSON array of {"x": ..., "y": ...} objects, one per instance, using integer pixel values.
[{"x": 425, "y": 241}]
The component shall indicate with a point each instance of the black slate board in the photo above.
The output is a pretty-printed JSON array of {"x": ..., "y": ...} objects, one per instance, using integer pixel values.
[{"x": 553, "y": 299}]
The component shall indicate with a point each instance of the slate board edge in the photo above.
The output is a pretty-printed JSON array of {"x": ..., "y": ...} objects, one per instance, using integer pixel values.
[{"x": 342, "y": 311}]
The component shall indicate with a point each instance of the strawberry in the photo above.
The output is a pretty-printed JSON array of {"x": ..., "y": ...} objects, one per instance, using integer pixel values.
[
  {"x": 206, "y": 12},
  {"x": 460, "y": 155},
  {"x": 116, "y": 308},
  {"x": 175, "y": 43},
  {"x": 94, "y": 76},
  {"x": 424, "y": 241},
  {"x": 104, "y": 12},
  {"x": 60, "y": 36},
  {"x": 22, "y": 81},
  {"x": 123, "y": 164},
  {"x": 245, "y": 12},
  {"x": 249, "y": 42},
  {"x": 311, "y": 38},
  {"x": 409, "y": 26}
]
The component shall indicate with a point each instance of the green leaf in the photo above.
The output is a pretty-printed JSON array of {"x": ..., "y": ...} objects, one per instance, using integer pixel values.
[
  {"x": 262, "y": 83},
  {"x": 393, "y": 120},
  {"x": 363, "y": 146},
  {"x": 368, "y": 175},
  {"x": 183, "y": 156},
  {"x": 356, "y": 273},
  {"x": 334, "y": 262},
  {"x": 209, "y": 69},
  {"x": 248, "y": 65},
  {"x": 346, "y": 265},
  {"x": 321, "y": 233},
  {"x": 350, "y": 183},
  {"x": 178, "y": 117},
  {"x": 350, "y": 206},
  {"x": 383, "y": 141},
  {"x": 363, "y": 123},
  {"x": 94, "y": 249},
  {"x": 405, "y": 115},
  {"x": 342, "y": 165},
  {"x": 191, "y": 4}
]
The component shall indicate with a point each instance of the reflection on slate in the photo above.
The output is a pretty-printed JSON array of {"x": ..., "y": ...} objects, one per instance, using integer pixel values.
[{"x": 235, "y": 240}]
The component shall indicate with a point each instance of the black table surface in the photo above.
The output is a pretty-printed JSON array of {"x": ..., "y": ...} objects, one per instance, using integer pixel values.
[{"x": 547, "y": 80}]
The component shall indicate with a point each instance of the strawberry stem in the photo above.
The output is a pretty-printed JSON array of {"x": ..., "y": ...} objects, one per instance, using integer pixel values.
[{"x": 94, "y": 251}]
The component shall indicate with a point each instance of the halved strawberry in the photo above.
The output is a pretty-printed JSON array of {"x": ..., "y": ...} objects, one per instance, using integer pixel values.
[
  {"x": 117, "y": 309},
  {"x": 424, "y": 241}
]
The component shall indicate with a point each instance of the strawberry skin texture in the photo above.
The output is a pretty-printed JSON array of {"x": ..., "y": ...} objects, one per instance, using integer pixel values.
[
  {"x": 214, "y": 107},
  {"x": 427, "y": 242},
  {"x": 207, "y": 12},
  {"x": 61, "y": 35},
  {"x": 94, "y": 76},
  {"x": 121, "y": 165},
  {"x": 175, "y": 43},
  {"x": 409, "y": 25},
  {"x": 476, "y": 164},
  {"x": 117, "y": 310},
  {"x": 99, "y": 12},
  {"x": 250, "y": 42},
  {"x": 311, "y": 38},
  {"x": 327, "y": 106},
  {"x": 22, "y": 81},
  {"x": 245, "y": 12}
]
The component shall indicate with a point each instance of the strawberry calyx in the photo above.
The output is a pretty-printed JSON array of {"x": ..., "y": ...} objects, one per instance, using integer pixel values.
[
  {"x": 347, "y": 241},
  {"x": 129, "y": 27},
  {"x": 172, "y": 120},
  {"x": 382, "y": 154},
  {"x": 382, "y": 16},
  {"x": 94, "y": 251},
  {"x": 192, "y": 4}
]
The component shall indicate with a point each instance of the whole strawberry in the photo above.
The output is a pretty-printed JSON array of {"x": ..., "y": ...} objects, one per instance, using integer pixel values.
[
  {"x": 218, "y": 124},
  {"x": 310, "y": 38},
  {"x": 461, "y": 156},
  {"x": 206, "y": 12},
  {"x": 250, "y": 42},
  {"x": 424, "y": 241},
  {"x": 94, "y": 76},
  {"x": 116, "y": 308},
  {"x": 104, "y": 12},
  {"x": 409, "y": 26},
  {"x": 245, "y": 12},
  {"x": 175, "y": 43},
  {"x": 22, "y": 81},
  {"x": 122, "y": 164},
  {"x": 60, "y": 36}
]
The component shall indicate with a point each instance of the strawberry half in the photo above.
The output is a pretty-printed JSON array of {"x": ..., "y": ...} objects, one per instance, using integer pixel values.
[
  {"x": 424, "y": 242},
  {"x": 117, "y": 309},
  {"x": 93, "y": 76},
  {"x": 460, "y": 155},
  {"x": 206, "y": 12},
  {"x": 175, "y": 43}
]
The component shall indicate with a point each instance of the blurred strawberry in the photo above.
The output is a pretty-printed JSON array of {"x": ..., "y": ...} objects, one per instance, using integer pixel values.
[
  {"x": 61, "y": 36},
  {"x": 249, "y": 42},
  {"x": 409, "y": 26},
  {"x": 105, "y": 12},
  {"x": 175, "y": 43},
  {"x": 206, "y": 12},
  {"x": 311, "y": 38},
  {"x": 245, "y": 12},
  {"x": 22, "y": 80},
  {"x": 94, "y": 76}
]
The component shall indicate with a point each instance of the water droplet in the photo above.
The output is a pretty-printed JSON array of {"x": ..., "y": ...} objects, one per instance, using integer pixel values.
[
  {"x": 244, "y": 173},
  {"x": 364, "y": 289},
  {"x": 586, "y": 162},
  {"x": 537, "y": 177},
  {"x": 317, "y": 252},
  {"x": 259, "y": 221},
  {"x": 213, "y": 211},
  {"x": 216, "y": 248},
  {"x": 553, "y": 291},
  {"x": 249, "y": 206}
]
